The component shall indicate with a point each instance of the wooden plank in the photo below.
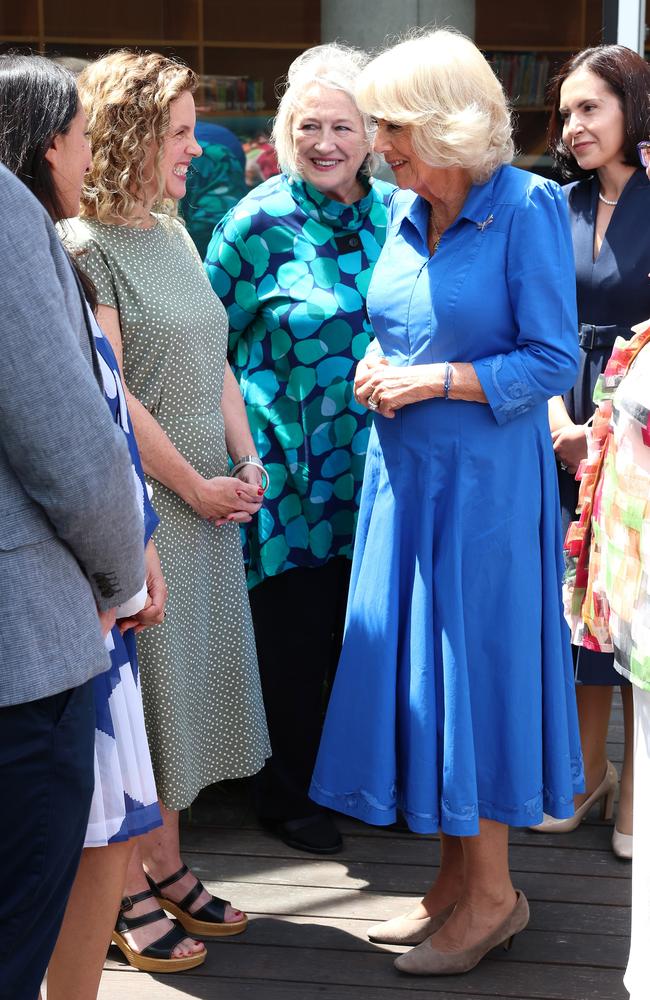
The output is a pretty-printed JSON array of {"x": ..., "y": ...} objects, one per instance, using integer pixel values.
[
  {"x": 402, "y": 879},
  {"x": 546, "y": 946},
  {"x": 551, "y": 947},
  {"x": 371, "y": 907},
  {"x": 309, "y": 916},
  {"x": 589, "y": 836},
  {"x": 507, "y": 977},
  {"x": 531, "y": 855},
  {"x": 221, "y": 809},
  {"x": 118, "y": 985},
  {"x": 600, "y": 920}
]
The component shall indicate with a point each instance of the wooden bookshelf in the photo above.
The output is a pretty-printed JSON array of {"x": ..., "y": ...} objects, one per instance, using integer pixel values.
[
  {"x": 260, "y": 38},
  {"x": 551, "y": 31},
  {"x": 256, "y": 38},
  {"x": 19, "y": 20}
]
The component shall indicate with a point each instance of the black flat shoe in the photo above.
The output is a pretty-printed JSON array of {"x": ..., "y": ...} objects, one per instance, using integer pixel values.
[
  {"x": 317, "y": 834},
  {"x": 209, "y": 920}
]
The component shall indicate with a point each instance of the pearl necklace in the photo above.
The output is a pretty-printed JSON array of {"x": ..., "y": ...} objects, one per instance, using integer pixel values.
[{"x": 606, "y": 201}]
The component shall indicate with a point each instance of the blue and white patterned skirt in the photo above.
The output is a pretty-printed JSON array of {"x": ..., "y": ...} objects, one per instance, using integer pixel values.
[{"x": 125, "y": 802}]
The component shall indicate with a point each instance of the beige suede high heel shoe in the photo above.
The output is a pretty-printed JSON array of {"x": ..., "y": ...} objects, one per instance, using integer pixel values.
[
  {"x": 622, "y": 844},
  {"x": 605, "y": 792},
  {"x": 408, "y": 930},
  {"x": 426, "y": 961}
]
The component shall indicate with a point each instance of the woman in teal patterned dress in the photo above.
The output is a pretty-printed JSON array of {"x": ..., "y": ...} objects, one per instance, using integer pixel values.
[
  {"x": 292, "y": 263},
  {"x": 215, "y": 182}
]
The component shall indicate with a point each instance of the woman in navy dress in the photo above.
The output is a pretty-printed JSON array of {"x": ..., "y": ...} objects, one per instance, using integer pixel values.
[
  {"x": 600, "y": 112},
  {"x": 454, "y": 700}
]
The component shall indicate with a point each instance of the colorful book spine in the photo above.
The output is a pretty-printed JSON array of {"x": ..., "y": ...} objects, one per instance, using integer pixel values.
[
  {"x": 524, "y": 76},
  {"x": 231, "y": 93}
]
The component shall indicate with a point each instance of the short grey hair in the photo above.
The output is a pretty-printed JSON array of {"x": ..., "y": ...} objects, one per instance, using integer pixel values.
[{"x": 334, "y": 67}]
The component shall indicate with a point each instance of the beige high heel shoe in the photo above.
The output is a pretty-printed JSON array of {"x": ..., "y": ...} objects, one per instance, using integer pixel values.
[
  {"x": 408, "y": 930},
  {"x": 605, "y": 792},
  {"x": 427, "y": 961},
  {"x": 622, "y": 844}
]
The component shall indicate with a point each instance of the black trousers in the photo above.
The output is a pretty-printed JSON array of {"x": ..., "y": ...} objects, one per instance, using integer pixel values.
[
  {"x": 46, "y": 786},
  {"x": 298, "y": 618}
]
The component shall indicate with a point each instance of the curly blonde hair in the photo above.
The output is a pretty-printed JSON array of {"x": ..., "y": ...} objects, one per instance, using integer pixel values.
[
  {"x": 126, "y": 97},
  {"x": 439, "y": 86}
]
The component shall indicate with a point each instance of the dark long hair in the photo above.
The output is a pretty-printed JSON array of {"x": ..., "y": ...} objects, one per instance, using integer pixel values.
[
  {"x": 627, "y": 75},
  {"x": 38, "y": 101}
]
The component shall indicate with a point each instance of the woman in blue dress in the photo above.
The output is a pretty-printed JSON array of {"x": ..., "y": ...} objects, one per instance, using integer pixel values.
[
  {"x": 44, "y": 142},
  {"x": 600, "y": 112},
  {"x": 454, "y": 700}
]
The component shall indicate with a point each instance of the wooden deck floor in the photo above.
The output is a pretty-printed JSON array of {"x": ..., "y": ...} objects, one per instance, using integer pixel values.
[{"x": 306, "y": 939}]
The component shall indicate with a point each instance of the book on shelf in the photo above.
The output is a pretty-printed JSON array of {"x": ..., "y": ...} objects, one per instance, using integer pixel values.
[
  {"x": 524, "y": 75},
  {"x": 230, "y": 93}
]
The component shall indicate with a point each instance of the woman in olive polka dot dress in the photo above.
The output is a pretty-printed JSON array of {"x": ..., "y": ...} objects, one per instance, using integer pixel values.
[
  {"x": 292, "y": 264},
  {"x": 200, "y": 682}
]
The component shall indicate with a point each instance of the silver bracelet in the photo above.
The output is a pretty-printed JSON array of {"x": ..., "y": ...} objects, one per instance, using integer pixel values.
[
  {"x": 252, "y": 460},
  {"x": 449, "y": 375}
]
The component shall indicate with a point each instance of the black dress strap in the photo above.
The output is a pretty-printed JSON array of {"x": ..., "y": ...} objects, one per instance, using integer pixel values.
[{"x": 591, "y": 337}]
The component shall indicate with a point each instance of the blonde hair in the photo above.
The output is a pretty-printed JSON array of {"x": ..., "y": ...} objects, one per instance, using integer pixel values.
[
  {"x": 440, "y": 87},
  {"x": 127, "y": 97},
  {"x": 334, "y": 67}
]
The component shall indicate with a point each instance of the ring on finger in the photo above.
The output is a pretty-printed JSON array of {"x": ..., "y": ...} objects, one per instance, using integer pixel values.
[{"x": 373, "y": 403}]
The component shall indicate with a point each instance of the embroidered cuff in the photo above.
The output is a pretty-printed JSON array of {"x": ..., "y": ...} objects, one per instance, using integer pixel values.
[{"x": 506, "y": 394}]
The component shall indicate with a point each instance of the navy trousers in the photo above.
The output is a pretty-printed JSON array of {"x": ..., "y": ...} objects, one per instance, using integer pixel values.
[{"x": 46, "y": 786}]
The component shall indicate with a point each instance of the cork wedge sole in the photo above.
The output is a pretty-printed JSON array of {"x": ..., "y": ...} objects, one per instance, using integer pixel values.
[
  {"x": 146, "y": 964},
  {"x": 202, "y": 928}
]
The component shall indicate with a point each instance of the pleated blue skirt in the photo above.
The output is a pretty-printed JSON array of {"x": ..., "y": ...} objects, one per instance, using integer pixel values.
[{"x": 454, "y": 697}]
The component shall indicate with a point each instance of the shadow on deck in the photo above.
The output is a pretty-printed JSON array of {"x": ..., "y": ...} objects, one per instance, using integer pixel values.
[{"x": 306, "y": 939}]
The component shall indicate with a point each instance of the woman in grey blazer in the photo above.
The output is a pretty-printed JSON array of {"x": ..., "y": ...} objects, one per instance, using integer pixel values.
[
  {"x": 70, "y": 544},
  {"x": 43, "y": 140}
]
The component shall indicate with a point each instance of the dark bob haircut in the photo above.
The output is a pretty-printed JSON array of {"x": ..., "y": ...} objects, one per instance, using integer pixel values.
[
  {"x": 627, "y": 75},
  {"x": 38, "y": 101}
]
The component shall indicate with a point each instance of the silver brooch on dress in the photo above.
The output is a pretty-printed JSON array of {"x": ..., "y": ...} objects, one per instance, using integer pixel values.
[{"x": 483, "y": 225}]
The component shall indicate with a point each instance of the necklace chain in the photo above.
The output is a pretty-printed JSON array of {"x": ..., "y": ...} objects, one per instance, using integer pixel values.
[
  {"x": 606, "y": 201},
  {"x": 434, "y": 234}
]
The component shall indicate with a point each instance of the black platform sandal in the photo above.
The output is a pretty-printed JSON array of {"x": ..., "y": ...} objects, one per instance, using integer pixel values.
[
  {"x": 208, "y": 920},
  {"x": 156, "y": 957}
]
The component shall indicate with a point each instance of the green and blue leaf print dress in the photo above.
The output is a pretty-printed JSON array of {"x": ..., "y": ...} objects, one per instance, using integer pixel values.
[{"x": 292, "y": 267}]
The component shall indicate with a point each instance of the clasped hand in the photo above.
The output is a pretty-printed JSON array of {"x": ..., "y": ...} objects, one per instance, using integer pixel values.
[
  {"x": 570, "y": 445},
  {"x": 153, "y": 611},
  {"x": 224, "y": 499},
  {"x": 391, "y": 386}
]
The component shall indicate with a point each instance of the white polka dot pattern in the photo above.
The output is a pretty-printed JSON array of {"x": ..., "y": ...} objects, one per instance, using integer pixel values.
[{"x": 200, "y": 682}]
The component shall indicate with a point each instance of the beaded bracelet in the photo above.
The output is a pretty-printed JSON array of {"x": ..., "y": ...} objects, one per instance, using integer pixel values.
[
  {"x": 446, "y": 385},
  {"x": 252, "y": 460}
]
